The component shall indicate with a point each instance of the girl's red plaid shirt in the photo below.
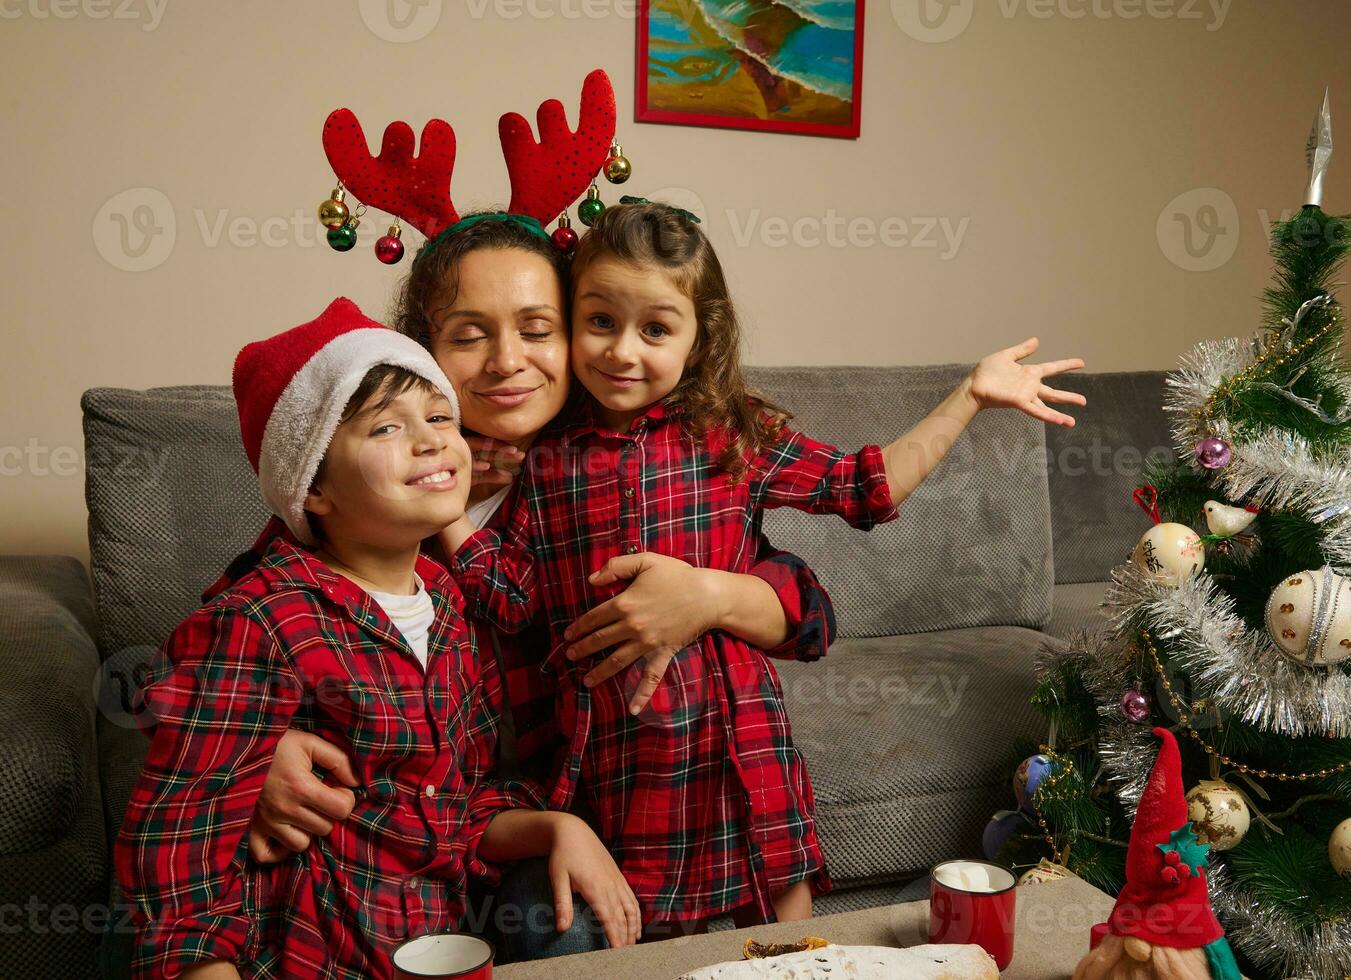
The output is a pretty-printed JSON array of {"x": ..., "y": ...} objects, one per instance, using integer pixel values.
[
  {"x": 293, "y": 644},
  {"x": 703, "y": 798}
]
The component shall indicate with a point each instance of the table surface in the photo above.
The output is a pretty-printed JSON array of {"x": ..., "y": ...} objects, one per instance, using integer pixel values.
[{"x": 1052, "y": 922}]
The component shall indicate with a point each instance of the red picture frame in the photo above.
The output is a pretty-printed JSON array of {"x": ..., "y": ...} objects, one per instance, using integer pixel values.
[{"x": 644, "y": 113}]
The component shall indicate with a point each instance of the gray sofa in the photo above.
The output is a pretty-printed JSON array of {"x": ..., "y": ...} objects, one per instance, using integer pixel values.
[{"x": 906, "y": 725}]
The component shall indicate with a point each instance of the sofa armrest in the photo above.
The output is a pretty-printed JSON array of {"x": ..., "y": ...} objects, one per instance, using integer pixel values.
[{"x": 48, "y": 749}]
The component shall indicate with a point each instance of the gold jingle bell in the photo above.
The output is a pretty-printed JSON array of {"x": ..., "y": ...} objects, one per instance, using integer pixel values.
[
  {"x": 617, "y": 168},
  {"x": 333, "y": 213}
]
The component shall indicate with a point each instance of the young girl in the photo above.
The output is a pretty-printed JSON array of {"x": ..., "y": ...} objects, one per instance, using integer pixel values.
[{"x": 702, "y": 797}]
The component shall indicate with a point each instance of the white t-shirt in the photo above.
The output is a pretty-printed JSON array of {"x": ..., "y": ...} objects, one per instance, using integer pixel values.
[
  {"x": 412, "y": 615},
  {"x": 481, "y": 512}
]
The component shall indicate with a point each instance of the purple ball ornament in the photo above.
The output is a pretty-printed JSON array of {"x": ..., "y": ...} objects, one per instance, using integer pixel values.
[
  {"x": 1028, "y": 776},
  {"x": 1213, "y": 453},
  {"x": 1135, "y": 706}
]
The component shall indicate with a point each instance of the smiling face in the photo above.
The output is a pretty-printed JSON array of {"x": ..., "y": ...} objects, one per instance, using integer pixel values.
[
  {"x": 503, "y": 343},
  {"x": 395, "y": 473},
  {"x": 632, "y": 332}
]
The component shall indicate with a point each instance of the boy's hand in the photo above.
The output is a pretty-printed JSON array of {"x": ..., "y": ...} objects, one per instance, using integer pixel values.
[
  {"x": 664, "y": 610},
  {"x": 294, "y": 805},
  {"x": 1000, "y": 381},
  {"x": 579, "y": 862}
]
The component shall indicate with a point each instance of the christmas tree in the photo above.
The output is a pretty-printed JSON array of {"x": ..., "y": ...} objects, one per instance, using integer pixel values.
[{"x": 1237, "y": 638}]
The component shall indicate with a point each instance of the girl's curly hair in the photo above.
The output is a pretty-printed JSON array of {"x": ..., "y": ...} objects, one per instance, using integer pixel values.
[{"x": 712, "y": 390}]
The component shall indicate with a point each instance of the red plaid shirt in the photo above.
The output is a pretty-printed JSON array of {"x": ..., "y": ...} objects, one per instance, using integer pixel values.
[
  {"x": 530, "y": 687},
  {"x": 703, "y": 798},
  {"x": 293, "y": 644}
]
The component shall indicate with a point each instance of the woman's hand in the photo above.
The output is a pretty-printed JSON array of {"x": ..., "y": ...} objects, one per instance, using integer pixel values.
[
  {"x": 1000, "y": 381},
  {"x": 495, "y": 463},
  {"x": 579, "y": 862},
  {"x": 668, "y": 606},
  {"x": 293, "y": 805}
]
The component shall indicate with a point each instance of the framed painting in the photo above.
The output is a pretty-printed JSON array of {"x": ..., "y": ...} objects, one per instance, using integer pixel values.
[{"x": 781, "y": 66}]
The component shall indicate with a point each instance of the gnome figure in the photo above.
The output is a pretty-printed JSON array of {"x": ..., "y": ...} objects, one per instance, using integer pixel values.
[{"x": 1162, "y": 926}]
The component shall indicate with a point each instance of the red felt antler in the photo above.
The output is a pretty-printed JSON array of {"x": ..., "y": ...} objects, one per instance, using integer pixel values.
[
  {"x": 549, "y": 175},
  {"x": 415, "y": 188}
]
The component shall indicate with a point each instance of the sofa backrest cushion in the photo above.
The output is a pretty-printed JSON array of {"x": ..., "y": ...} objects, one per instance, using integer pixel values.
[
  {"x": 972, "y": 546},
  {"x": 1095, "y": 466},
  {"x": 171, "y": 501}
]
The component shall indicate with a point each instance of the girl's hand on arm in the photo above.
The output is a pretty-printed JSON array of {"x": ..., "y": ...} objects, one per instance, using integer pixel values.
[
  {"x": 454, "y": 536},
  {"x": 496, "y": 463},
  {"x": 668, "y": 606},
  {"x": 294, "y": 805},
  {"x": 997, "y": 381},
  {"x": 578, "y": 862}
]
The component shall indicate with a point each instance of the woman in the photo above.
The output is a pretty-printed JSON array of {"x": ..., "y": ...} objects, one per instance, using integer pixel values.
[{"x": 489, "y": 301}]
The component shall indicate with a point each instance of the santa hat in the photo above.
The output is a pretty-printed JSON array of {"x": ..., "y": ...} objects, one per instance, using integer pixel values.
[
  {"x": 1165, "y": 901},
  {"x": 291, "y": 390}
]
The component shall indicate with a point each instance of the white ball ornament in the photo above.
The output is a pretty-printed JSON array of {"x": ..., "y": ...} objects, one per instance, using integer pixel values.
[
  {"x": 1309, "y": 617},
  {"x": 1339, "y": 848},
  {"x": 1219, "y": 812},
  {"x": 1170, "y": 553}
]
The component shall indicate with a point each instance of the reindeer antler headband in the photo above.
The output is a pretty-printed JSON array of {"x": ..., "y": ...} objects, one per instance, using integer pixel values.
[{"x": 546, "y": 175}]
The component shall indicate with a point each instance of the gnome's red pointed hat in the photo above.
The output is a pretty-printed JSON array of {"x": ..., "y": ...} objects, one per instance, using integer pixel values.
[{"x": 1165, "y": 901}]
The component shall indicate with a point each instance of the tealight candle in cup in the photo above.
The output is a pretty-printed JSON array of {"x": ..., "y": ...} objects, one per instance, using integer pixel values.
[
  {"x": 973, "y": 902},
  {"x": 445, "y": 955}
]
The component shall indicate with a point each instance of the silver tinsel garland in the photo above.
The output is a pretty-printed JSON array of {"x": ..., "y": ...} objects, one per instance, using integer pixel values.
[
  {"x": 1127, "y": 753},
  {"x": 1240, "y": 670},
  {"x": 1274, "y": 469},
  {"x": 1272, "y": 941}
]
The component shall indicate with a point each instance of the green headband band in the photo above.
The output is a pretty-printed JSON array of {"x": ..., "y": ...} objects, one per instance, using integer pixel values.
[
  {"x": 689, "y": 216},
  {"x": 524, "y": 220}
]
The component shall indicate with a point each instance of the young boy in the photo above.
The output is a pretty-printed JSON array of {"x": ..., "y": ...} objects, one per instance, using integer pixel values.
[{"x": 355, "y": 636}]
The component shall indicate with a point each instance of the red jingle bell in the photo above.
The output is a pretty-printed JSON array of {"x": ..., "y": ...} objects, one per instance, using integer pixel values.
[
  {"x": 389, "y": 248},
  {"x": 564, "y": 238}
]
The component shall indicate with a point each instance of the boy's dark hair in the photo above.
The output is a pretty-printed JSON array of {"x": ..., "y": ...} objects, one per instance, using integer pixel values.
[
  {"x": 379, "y": 386},
  {"x": 713, "y": 389},
  {"x": 434, "y": 280}
]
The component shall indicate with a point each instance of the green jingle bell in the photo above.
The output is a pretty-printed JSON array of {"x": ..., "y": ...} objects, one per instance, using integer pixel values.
[
  {"x": 589, "y": 210},
  {"x": 343, "y": 239}
]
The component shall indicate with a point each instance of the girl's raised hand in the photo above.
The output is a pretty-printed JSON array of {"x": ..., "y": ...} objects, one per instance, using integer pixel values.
[{"x": 999, "y": 381}]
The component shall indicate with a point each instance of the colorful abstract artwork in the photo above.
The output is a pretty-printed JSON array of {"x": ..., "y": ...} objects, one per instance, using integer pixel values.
[{"x": 787, "y": 66}]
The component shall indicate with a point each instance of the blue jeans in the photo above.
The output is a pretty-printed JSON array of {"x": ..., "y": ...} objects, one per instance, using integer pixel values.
[{"x": 522, "y": 921}]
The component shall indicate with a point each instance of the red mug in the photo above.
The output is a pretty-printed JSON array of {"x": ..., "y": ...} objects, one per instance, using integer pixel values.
[
  {"x": 973, "y": 902},
  {"x": 445, "y": 955}
]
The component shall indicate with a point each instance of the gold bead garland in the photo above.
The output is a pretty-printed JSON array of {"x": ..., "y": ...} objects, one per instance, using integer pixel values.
[
  {"x": 1227, "y": 386},
  {"x": 1185, "y": 718}
]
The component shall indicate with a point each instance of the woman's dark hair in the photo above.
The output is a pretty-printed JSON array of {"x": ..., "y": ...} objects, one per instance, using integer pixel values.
[
  {"x": 434, "y": 279},
  {"x": 712, "y": 390}
]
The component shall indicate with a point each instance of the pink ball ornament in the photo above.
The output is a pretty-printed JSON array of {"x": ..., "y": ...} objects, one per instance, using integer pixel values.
[
  {"x": 1213, "y": 453},
  {"x": 1135, "y": 706}
]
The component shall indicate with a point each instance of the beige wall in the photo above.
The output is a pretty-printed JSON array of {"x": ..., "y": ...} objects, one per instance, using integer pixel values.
[{"x": 1054, "y": 142}]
